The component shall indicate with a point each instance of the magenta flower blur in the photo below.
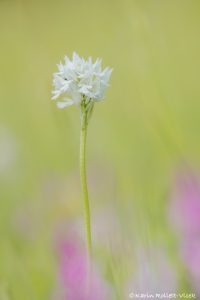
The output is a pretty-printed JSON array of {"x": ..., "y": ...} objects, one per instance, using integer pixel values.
[
  {"x": 190, "y": 252},
  {"x": 185, "y": 204},
  {"x": 185, "y": 216},
  {"x": 73, "y": 274}
]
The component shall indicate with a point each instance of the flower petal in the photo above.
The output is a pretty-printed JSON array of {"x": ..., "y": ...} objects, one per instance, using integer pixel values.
[{"x": 64, "y": 104}]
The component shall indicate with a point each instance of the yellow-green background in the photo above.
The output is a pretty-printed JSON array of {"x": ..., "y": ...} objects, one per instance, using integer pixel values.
[{"x": 147, "y": 126}]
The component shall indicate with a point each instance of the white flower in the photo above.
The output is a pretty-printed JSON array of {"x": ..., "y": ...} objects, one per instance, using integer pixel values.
[{"x": 79, "y": 80}]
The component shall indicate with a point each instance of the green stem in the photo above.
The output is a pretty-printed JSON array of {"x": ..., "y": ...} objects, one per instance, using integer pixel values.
[{"x": 84, "y": 181}]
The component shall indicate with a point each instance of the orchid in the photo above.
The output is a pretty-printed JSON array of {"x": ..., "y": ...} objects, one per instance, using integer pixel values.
[{"x": 79, "y": 80}]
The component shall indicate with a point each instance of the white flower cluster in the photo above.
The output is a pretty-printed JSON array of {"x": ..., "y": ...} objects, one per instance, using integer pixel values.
[{"x": 80, "y": 80}]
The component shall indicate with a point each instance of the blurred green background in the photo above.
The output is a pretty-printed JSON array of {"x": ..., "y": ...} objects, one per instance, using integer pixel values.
[{"x": 147, "y": 126}]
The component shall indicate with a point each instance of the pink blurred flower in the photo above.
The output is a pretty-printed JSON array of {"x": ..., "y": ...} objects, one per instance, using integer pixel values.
[
  {"x": 190, "y": 252},
  {"x": 73, "y": 274},
  {"x": 185, "y": 204},
  {"x": 185, "y": 216}
]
